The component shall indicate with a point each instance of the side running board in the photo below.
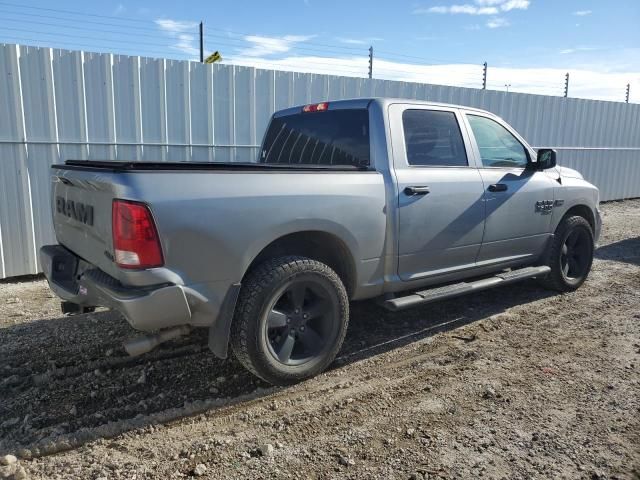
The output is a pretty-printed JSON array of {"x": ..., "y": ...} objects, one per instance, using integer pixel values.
[{"x": 440, "y": 293}]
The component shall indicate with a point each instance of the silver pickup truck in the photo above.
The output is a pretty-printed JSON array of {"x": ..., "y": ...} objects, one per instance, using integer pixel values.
[{"x": 400, "y": 200}]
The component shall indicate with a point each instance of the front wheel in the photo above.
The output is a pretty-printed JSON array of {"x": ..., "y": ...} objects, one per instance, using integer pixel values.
[
  {"x": 291, "y": 319},
  {"x": 570, "y": 255}
]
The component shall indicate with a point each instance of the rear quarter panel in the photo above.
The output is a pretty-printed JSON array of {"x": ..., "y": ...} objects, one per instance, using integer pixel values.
[{"x": 213, "y": 224}]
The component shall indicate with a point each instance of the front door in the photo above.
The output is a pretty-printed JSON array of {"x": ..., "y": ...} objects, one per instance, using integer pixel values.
[
  {"x": 518, "y": 200},
  {"x": 440, "y": 192}
]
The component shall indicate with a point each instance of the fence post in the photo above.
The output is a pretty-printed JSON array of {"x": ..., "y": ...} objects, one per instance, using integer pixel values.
[
  {"x": 566, "y": 85},
  {"x": 371, "y": 62},
  {"x": 201, "y": 43},
  {"x": 484, "y": 76}
]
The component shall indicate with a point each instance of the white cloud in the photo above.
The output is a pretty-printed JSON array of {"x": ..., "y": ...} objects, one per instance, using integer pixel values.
[
  {"x": 183, "y": 32},
  {"x": 175, "y": 26},
  {"x": 438, "y": 9},
  {"x": 582, "y": 13},
  {"x": 515, "y": 5},
  {"x": 359, "y": 41},
  {"x": 481, "y": 7},
  {"x": 585, "y": 82},
  {"x": 351, "y": 41},
  {"x": 497, "y": 22},
  {"x": 472, "y": 10},
  {"x": 458, "y": 9},
  {"x": 261, "y": 45},
  {"x": 186, "y": 44},
  {"x": 567, "y": 51}
]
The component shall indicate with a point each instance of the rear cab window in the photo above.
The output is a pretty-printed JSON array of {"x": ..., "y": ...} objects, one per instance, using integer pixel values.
[
  {"x": 338, "y": 138},
  {"x": 433, "y": 139}
]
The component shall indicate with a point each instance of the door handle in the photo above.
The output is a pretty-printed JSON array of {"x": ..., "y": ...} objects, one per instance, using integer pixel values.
[
  {"x": 416, "y": 190},
  {"x": 498, "y": 187}
]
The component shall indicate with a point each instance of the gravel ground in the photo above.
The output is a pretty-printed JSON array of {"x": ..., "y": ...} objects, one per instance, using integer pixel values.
[{"x": 517, "y": 382}]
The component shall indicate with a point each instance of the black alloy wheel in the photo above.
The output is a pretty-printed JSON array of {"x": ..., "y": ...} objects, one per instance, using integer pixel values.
[{"x": 301, "y": 321}]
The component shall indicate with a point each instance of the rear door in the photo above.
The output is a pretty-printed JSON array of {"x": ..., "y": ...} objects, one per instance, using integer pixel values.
[
  {"x": 441, "y": 211},
  {"x": 517, "y": 221}
]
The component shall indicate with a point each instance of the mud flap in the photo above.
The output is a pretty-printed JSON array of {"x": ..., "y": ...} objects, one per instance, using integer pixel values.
[{"x": 220, "y": 329}]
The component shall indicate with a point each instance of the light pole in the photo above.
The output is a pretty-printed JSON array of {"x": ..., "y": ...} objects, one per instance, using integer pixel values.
[
  {"x": 507, "y": 85},
  {"x": 484, "y": 76}
]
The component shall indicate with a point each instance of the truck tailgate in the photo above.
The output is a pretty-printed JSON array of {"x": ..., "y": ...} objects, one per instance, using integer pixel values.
[{"x": 82, "y": 214}]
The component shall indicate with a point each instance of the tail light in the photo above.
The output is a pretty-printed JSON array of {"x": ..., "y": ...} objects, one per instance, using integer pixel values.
[{"x": 135, "y": 237}]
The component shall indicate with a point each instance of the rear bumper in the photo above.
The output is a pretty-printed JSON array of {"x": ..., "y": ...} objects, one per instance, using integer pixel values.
[{"x": 145, "y": 308}]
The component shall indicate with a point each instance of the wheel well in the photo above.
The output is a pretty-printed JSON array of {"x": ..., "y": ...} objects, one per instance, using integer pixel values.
[
  {"x": 582, "y": 211},
  {"x": 321, "y": 246}
]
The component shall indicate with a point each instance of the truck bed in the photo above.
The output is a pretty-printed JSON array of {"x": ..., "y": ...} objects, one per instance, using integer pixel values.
[{"x": 211, "y": 220}]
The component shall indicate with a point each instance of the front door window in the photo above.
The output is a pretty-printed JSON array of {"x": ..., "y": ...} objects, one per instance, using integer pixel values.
[{"x": 498, "y": 147}]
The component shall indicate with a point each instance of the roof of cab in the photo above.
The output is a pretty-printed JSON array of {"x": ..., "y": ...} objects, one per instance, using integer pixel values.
[{"x": 382, "y": 101}]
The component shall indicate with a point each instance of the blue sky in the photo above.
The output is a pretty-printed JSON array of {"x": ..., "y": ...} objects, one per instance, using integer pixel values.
[{"x": 528, "y": 44}]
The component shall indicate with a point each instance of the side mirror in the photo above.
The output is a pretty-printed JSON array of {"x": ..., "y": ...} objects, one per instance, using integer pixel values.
[{"x": 546, "y": 159}]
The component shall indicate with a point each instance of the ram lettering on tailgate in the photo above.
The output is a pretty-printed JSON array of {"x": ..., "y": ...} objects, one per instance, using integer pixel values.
[{"x": 78, "y": 211}]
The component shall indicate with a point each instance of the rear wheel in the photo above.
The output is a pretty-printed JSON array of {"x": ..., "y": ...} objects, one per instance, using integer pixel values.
[
  {"x": 291, "y": 319},
  {"x": 570, "y": 255}
]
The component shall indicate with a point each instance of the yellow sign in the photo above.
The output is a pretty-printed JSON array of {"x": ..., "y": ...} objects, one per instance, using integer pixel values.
[{"x": 214, "y": 57}]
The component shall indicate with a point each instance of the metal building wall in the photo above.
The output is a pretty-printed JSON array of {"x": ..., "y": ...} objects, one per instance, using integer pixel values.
[{"x": 61, "y": 104}]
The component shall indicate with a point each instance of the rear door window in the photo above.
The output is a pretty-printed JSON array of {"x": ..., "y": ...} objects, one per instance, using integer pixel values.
[
  {"x": 332, "y": 137},
  {"x": 433, "y": 139}
]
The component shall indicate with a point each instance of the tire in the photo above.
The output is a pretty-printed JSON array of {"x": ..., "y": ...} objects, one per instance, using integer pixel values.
[
  {"x": 291, "y": 319},
  {"x": 570, "y": 255}
]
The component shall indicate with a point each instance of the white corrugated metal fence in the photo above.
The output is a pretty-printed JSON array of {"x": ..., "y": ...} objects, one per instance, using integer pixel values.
[{"x": 59, "y": 104}]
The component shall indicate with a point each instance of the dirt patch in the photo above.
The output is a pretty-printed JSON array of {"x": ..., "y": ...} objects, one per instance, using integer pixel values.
[{"x": 511, "y": 383}]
